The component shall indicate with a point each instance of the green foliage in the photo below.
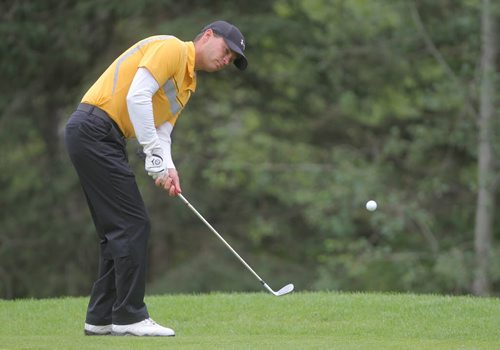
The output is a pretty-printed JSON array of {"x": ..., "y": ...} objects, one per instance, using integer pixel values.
[{"x": 342, "y": 102}]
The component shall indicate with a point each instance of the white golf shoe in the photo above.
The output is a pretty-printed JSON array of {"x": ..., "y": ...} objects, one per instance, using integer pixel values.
[
  {"x": 90, "y": 329},
  {"x": 145, "y": 328}
]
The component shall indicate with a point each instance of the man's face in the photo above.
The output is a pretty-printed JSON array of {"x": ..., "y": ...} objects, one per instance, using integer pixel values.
[{"x": 217, "y": 54}]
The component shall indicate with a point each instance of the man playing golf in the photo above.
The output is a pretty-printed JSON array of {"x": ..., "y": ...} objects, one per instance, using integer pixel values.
[{"x": 141, "y": 95}]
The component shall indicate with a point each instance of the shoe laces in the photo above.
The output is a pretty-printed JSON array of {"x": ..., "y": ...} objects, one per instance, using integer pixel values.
[{"x": 150, "y": 321}]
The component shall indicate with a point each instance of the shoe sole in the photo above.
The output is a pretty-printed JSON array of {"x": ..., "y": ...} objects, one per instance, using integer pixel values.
[
  {"x": 90, "y": 333},
  {"x": 128, "y": 334}
]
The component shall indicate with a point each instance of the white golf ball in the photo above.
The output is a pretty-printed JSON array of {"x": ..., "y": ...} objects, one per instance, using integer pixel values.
[{"x": 371, "y": 205}]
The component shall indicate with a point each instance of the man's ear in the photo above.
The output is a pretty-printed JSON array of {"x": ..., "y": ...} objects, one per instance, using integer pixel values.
[{"x": 207, "y": 35}]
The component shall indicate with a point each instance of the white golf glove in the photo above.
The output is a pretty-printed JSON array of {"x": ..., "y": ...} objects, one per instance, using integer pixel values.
[{"x": 155, "y": 164}]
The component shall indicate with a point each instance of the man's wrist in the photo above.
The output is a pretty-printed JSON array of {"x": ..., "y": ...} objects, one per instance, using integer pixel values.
[{"x": 151, "y": 146}]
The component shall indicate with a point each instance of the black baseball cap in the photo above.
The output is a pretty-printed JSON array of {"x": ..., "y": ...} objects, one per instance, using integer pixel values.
[{"x": 234, "y": 39}]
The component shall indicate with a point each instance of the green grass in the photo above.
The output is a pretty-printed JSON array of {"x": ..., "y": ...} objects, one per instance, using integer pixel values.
[{"x": 262, "y": 321}]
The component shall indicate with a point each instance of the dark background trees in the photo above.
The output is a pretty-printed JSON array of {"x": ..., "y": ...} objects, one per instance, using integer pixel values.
[{"x": 343, "y": 101}]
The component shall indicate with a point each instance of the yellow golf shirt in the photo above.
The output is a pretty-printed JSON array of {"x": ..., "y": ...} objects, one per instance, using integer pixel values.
[{"x": 169, "y": 60}]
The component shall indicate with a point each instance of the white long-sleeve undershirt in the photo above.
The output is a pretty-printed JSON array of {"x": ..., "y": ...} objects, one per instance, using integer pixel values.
[{"x": 140, "y": 109}]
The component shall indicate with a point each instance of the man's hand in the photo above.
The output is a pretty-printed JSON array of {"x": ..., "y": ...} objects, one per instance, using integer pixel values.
[
  {"x": 154, "y": 164},
  {"x": 170, "y": 182}
]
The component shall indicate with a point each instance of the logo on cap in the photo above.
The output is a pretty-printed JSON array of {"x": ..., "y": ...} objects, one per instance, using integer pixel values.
[{"x": 242, "y": 43}]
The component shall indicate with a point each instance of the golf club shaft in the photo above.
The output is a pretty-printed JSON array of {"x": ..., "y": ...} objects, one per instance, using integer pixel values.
[{"x": 224, "y": 241}]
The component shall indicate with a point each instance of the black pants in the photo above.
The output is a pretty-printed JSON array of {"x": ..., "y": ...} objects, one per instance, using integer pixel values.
[{"x": 97, "y": 149}]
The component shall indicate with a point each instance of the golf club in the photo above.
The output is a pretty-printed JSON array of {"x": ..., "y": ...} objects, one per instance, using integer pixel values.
[{"x": 285, "y": 290}]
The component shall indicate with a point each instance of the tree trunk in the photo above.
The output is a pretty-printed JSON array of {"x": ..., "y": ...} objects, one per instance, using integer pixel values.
[{"x": 483, "y": 232}]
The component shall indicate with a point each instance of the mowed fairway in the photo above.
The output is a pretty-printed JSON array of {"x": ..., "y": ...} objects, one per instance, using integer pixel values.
[{"x": 261, "y": 321}]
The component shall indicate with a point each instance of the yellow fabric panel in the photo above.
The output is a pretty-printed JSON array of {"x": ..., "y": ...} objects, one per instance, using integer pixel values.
[{"x": 160, "y": 68}]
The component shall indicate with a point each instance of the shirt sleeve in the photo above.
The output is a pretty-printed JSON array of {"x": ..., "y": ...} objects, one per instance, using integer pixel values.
[
  {"x": 163, "y": 59},
  {"x": 164, "y": 132},
  {"x": 140, "y": 109}
]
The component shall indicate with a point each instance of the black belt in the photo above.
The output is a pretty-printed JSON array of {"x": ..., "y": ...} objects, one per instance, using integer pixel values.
[{"x": 94, "y": 110}]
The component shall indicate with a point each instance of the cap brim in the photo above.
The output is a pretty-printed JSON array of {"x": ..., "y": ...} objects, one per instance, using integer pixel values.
[{"x": 240, "y": 62}]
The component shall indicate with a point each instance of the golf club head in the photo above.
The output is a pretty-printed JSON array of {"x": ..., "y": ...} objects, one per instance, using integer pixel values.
[{"x": 285, "y": 290}]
